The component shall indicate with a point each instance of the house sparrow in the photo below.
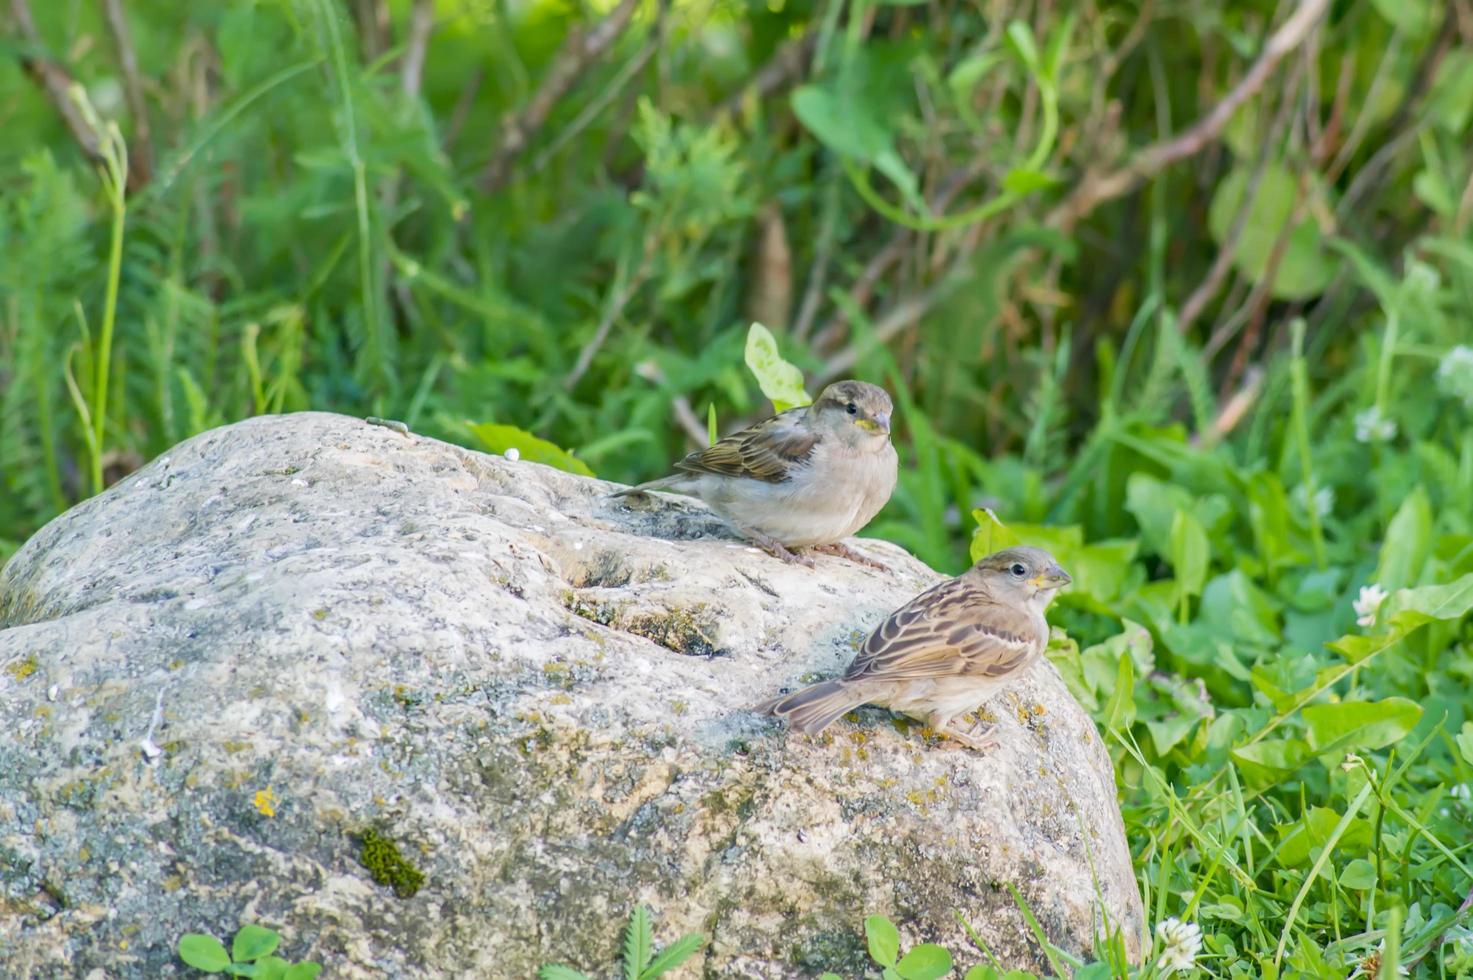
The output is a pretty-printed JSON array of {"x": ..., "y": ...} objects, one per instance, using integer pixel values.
[
  {"x": 946, "y": 651},
  {"x": 805, "y": 478}
]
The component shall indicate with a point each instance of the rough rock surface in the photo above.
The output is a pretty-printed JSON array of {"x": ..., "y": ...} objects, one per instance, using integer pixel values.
[{"x": 285, "y": 634}]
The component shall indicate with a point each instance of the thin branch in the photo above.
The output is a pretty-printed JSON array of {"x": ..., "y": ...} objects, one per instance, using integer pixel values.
[
  {"x": 783, "y": 68},
  {"x": 1212, "y": 282},
  {"x": 1096, "y": 188},
  {"x": 579, "y": 51},
  {"x": 421, "y": 26},
  {"x": 140, "y": 152},
  {"x": 596, "y": 107},
  {"x": 463, "y": 105},
  {"x": 54, "y": 80}
]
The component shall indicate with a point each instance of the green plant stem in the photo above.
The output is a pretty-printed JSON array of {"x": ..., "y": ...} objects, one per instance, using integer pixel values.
[
  {"x": 117, "y": 178},
  {"x": 1300, "y": 389}
]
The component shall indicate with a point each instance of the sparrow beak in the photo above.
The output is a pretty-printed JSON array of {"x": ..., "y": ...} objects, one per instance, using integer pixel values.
[
  {"x": 879, "y": 424},
  {"x": 1052, "y": 577}
]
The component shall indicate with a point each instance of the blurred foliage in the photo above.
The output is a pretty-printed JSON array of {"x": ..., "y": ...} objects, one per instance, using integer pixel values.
[{"x": 1219, "y": 362}]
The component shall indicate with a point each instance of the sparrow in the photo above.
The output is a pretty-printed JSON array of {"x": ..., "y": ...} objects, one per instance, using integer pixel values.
[
  {"x": 805, "y": 478},
  {"x": 946, "y": 651}
]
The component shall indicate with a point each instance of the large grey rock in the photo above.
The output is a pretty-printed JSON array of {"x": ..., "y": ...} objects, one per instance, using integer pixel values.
[{"x": 221, "y": 673}]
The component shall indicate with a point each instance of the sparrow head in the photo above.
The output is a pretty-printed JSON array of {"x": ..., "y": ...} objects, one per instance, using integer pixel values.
[
  {"x": 1030, "y": 574},
  {"x": 856, "y": 411}
]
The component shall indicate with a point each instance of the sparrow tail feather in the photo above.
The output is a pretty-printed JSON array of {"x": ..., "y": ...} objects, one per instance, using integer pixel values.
[
  {"x": 814, "y": 708},
  {"x": 664, "y": 483}
]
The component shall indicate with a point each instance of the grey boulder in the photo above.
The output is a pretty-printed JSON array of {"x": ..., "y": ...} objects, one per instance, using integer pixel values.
[{"x": 429, "y": 712}]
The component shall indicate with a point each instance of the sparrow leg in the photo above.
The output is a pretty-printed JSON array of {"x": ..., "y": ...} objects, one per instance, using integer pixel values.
[
  {"x": 775, "y": 548},
  {"x": 841, "y": 550},
  {"x": 979, "y": 742}
]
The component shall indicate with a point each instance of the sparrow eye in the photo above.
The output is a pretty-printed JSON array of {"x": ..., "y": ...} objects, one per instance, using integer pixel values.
[
  {"x": 851, "y": 408},
  {"x": 1018, "y": 570}
]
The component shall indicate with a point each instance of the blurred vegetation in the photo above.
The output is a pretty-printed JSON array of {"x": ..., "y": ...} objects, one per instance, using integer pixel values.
[{"x": 1183, "y": 290}]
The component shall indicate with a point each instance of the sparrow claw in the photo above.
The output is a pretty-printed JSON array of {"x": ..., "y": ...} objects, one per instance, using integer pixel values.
[
  {"x": 980, "y": 742},
  {"x": 841, "y": 550},
  {"x": 776, "y": 549}
]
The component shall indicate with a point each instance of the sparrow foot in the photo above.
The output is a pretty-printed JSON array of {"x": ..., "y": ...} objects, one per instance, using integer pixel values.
[
  {"x": 841, "y": 550},
  {"x": 971, "y": 738},
  {"x": 776, "y": 549}
]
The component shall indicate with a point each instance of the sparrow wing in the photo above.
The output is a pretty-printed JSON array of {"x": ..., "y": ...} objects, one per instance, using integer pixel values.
[
  {"x": 767, "y": 451},
  {"x": 956, "y": 629}
]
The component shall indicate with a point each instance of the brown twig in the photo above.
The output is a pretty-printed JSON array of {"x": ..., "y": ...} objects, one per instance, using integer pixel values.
[
  {"x": 1098, "y": 188},
  {"x": 421, "y": 26},
  {"x": 784, "y": 67},
  {"x": 580, "y": 50},
  {"x": 1212, "y": 282},
  {"x": 140, "y": 150},
  {"x": 54, "y": 80}
]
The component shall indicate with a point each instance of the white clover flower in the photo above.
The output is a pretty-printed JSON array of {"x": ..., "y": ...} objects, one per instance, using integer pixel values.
[
  {"x": 1179, "y": 942},
  {"x": 1369, "y": 603},
  {"x": 1324, "y": 499},
  {"x": 1455, "y": 374},
  {"x": 1372, "y": 426}
]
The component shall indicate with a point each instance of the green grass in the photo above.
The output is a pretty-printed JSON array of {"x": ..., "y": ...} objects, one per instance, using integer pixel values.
[{"x": 315, "y": 233}]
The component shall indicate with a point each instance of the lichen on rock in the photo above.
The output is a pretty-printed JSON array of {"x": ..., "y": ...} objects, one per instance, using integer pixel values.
[{"x": 538, "y": 697}]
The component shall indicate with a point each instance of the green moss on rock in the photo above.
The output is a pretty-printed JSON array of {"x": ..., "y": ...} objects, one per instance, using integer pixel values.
[{"x": 387, "y": 866}]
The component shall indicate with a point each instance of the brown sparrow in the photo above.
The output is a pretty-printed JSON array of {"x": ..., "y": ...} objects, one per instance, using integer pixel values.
[
  {"x": 805, "y": 478},
  {"x": 946, "y": 651}
]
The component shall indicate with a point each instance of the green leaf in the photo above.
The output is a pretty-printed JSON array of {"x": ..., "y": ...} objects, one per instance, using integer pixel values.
[
  {"x": 780, "y": 381},
  {"x": 1120, "y": 710},
  {"x": 1266, "y": 762},
  {"x": 991, "y": 535},
  {"x": 272, "y": 968},
  {"x": 203, "y": 952},
  {"x": 1407, "y": 543},
  {"x": 1053, "y": 57},
  {"x": 711, "y": 432},
  {"x": 1020, "y": 41},
  {"x": 883, "y": 939},
  {"x": 552, "y": 971},
  {"x": 1366, "y": 725},
  {"x": 1021, "y": 182},
  {"x": 242, "y": 970},
  {"x": 496, "y": 438},
  {"x": 925, "y": 962},
  {"x": 1465, "y": 742},
  {"x": 1359, "y": 874},
  {"x": 673, "y": 955},
  {"x": 639, "y": 941},
  {"x": 1416, "y": 18},
  {"x": 309, "y": 971},
  {"x": 1190, "y": 552},
  {"x": 1304, "y": 270},
  {"x": 253, "y": 942}
]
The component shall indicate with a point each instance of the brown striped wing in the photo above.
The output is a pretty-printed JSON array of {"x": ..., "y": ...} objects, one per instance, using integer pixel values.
[
  {"x": 956, "y": 629},
  {"x": 766, "y": 451}
]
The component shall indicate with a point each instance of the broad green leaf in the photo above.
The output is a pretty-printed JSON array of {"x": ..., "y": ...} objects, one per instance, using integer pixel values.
[
  {"x": 639, "y": 942},
  {"x": 203, "y": 952},
  {"x": 499, "y": 438},
  {"x": 1190, "y": 553},
  {"x": 253, "y": 942},
  {"x": 780, "y": 381},
  {"x": 1365, "y": 725},
  {"x": 673, "y": 955},
  {"x": 272, "y": 968},
  {"x": 883, "y": 940},
  {"x": 1465, "y": 742},
  {"x": 1407, "y": 543},
  {"x": 925, "y": 962},
  {"x": 1359, "y": 874},
  {"x": 1416, "y": 18},
  {"x": 991, "y": 535},
  {"x": 1405, "y": 611},
  {"x": 1304, "y": 270},
  {"x": 309, "y": 971},
  {"x": 1301, "y": 837},
  {"x": 1267, "y": 762},
  {"x": 242, "y": 970}
]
